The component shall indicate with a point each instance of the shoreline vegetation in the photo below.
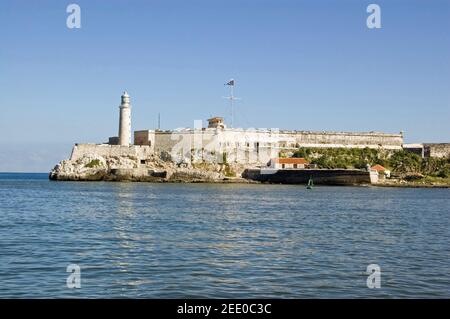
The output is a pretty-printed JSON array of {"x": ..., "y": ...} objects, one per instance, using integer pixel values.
[{"x": 407, "y": 169}]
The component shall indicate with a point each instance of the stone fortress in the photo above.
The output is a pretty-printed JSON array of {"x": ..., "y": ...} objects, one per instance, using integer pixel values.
[
  {"x": 217, "y": 143},
  {"x": 217, "y": 153}
]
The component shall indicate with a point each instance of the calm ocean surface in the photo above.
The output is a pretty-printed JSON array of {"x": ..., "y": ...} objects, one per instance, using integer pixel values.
[{"x": 231, "y": 241}]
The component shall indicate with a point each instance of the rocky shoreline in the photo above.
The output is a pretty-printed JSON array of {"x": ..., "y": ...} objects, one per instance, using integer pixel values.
[
  {"x": 408, "y": 184},
  {"x": 92, "y": 167}
]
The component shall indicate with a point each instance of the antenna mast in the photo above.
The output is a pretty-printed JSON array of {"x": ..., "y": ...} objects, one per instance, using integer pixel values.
[{"x": 232, "y": 98}]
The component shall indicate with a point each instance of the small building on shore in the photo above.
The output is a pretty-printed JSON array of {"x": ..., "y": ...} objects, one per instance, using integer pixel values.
[
  {"x": 381, "y": 170},
  {"x": 293, "y": 162}
]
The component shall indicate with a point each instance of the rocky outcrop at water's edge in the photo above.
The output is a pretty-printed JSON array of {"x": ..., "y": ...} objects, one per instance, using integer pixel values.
[{"x": 93, "y": 167}]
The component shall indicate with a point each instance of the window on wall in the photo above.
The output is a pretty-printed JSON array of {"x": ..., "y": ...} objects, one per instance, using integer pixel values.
[{"x": 283, "y": 166}]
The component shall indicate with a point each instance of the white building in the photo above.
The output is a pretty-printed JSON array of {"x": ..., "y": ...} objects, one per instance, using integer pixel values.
[{"x": 291, "y": 162}]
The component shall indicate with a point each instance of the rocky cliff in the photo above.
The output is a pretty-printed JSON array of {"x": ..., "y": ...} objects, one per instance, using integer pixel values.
[{"x": 94, "y": 167}]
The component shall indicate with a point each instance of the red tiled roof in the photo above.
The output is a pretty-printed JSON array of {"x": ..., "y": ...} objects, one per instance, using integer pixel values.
[
  {"x": 378, "y": 168},
  {"x": 291, "y": 160}
]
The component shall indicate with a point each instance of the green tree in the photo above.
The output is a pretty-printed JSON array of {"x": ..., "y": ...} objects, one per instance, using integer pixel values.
[{"x": 404, "y": 162}]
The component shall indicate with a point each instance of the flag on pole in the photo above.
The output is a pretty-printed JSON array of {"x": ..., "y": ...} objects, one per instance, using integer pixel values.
[{"x": 231, "y": 82}]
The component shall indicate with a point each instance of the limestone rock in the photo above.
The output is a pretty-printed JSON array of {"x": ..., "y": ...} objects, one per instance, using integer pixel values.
[{"x": 91, "y": 167}]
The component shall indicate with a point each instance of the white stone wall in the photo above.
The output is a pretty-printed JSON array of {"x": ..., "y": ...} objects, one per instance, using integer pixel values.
[
  {"x": 441, "y": 150},
  {"x": 350, "y": 139},
  {"x": 140, "y": 152},
  {"x": 259, "y": 146}
]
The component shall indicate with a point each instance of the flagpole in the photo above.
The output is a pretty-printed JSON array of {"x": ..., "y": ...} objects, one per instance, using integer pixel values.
[
  {"x": 231, "y": 98},
  {"x": 232, "y": 106}
]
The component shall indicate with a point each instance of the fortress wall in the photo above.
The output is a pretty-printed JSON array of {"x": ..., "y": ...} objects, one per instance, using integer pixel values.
[
  {"x": 343, "y": 139},
  {"x": 165, "y": 141},
  {"x": 179, "y": 144},
  {"x": 138, "y": 151},
  {"x": 253, "y": 147},
  {"x": 210, "y": 145},
  {"x": 258, "y": 146},
  {"x": 437, "y": 150}
]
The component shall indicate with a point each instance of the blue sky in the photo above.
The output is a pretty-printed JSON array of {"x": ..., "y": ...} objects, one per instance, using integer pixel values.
[{"x": 307, "y": 65}]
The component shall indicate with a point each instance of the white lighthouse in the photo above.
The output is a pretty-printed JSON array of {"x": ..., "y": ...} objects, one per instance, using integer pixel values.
[{"x": 125, "y": 120}]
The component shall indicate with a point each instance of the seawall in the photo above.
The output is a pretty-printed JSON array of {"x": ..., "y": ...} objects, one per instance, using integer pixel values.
[{"x": 301, "y": 176}]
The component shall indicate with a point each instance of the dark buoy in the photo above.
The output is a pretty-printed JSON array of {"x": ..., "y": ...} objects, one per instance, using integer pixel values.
[{"x": 310, "y": 184}]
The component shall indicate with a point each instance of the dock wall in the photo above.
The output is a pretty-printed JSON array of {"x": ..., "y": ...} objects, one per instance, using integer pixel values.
[{"x": 301, "y": 176}]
